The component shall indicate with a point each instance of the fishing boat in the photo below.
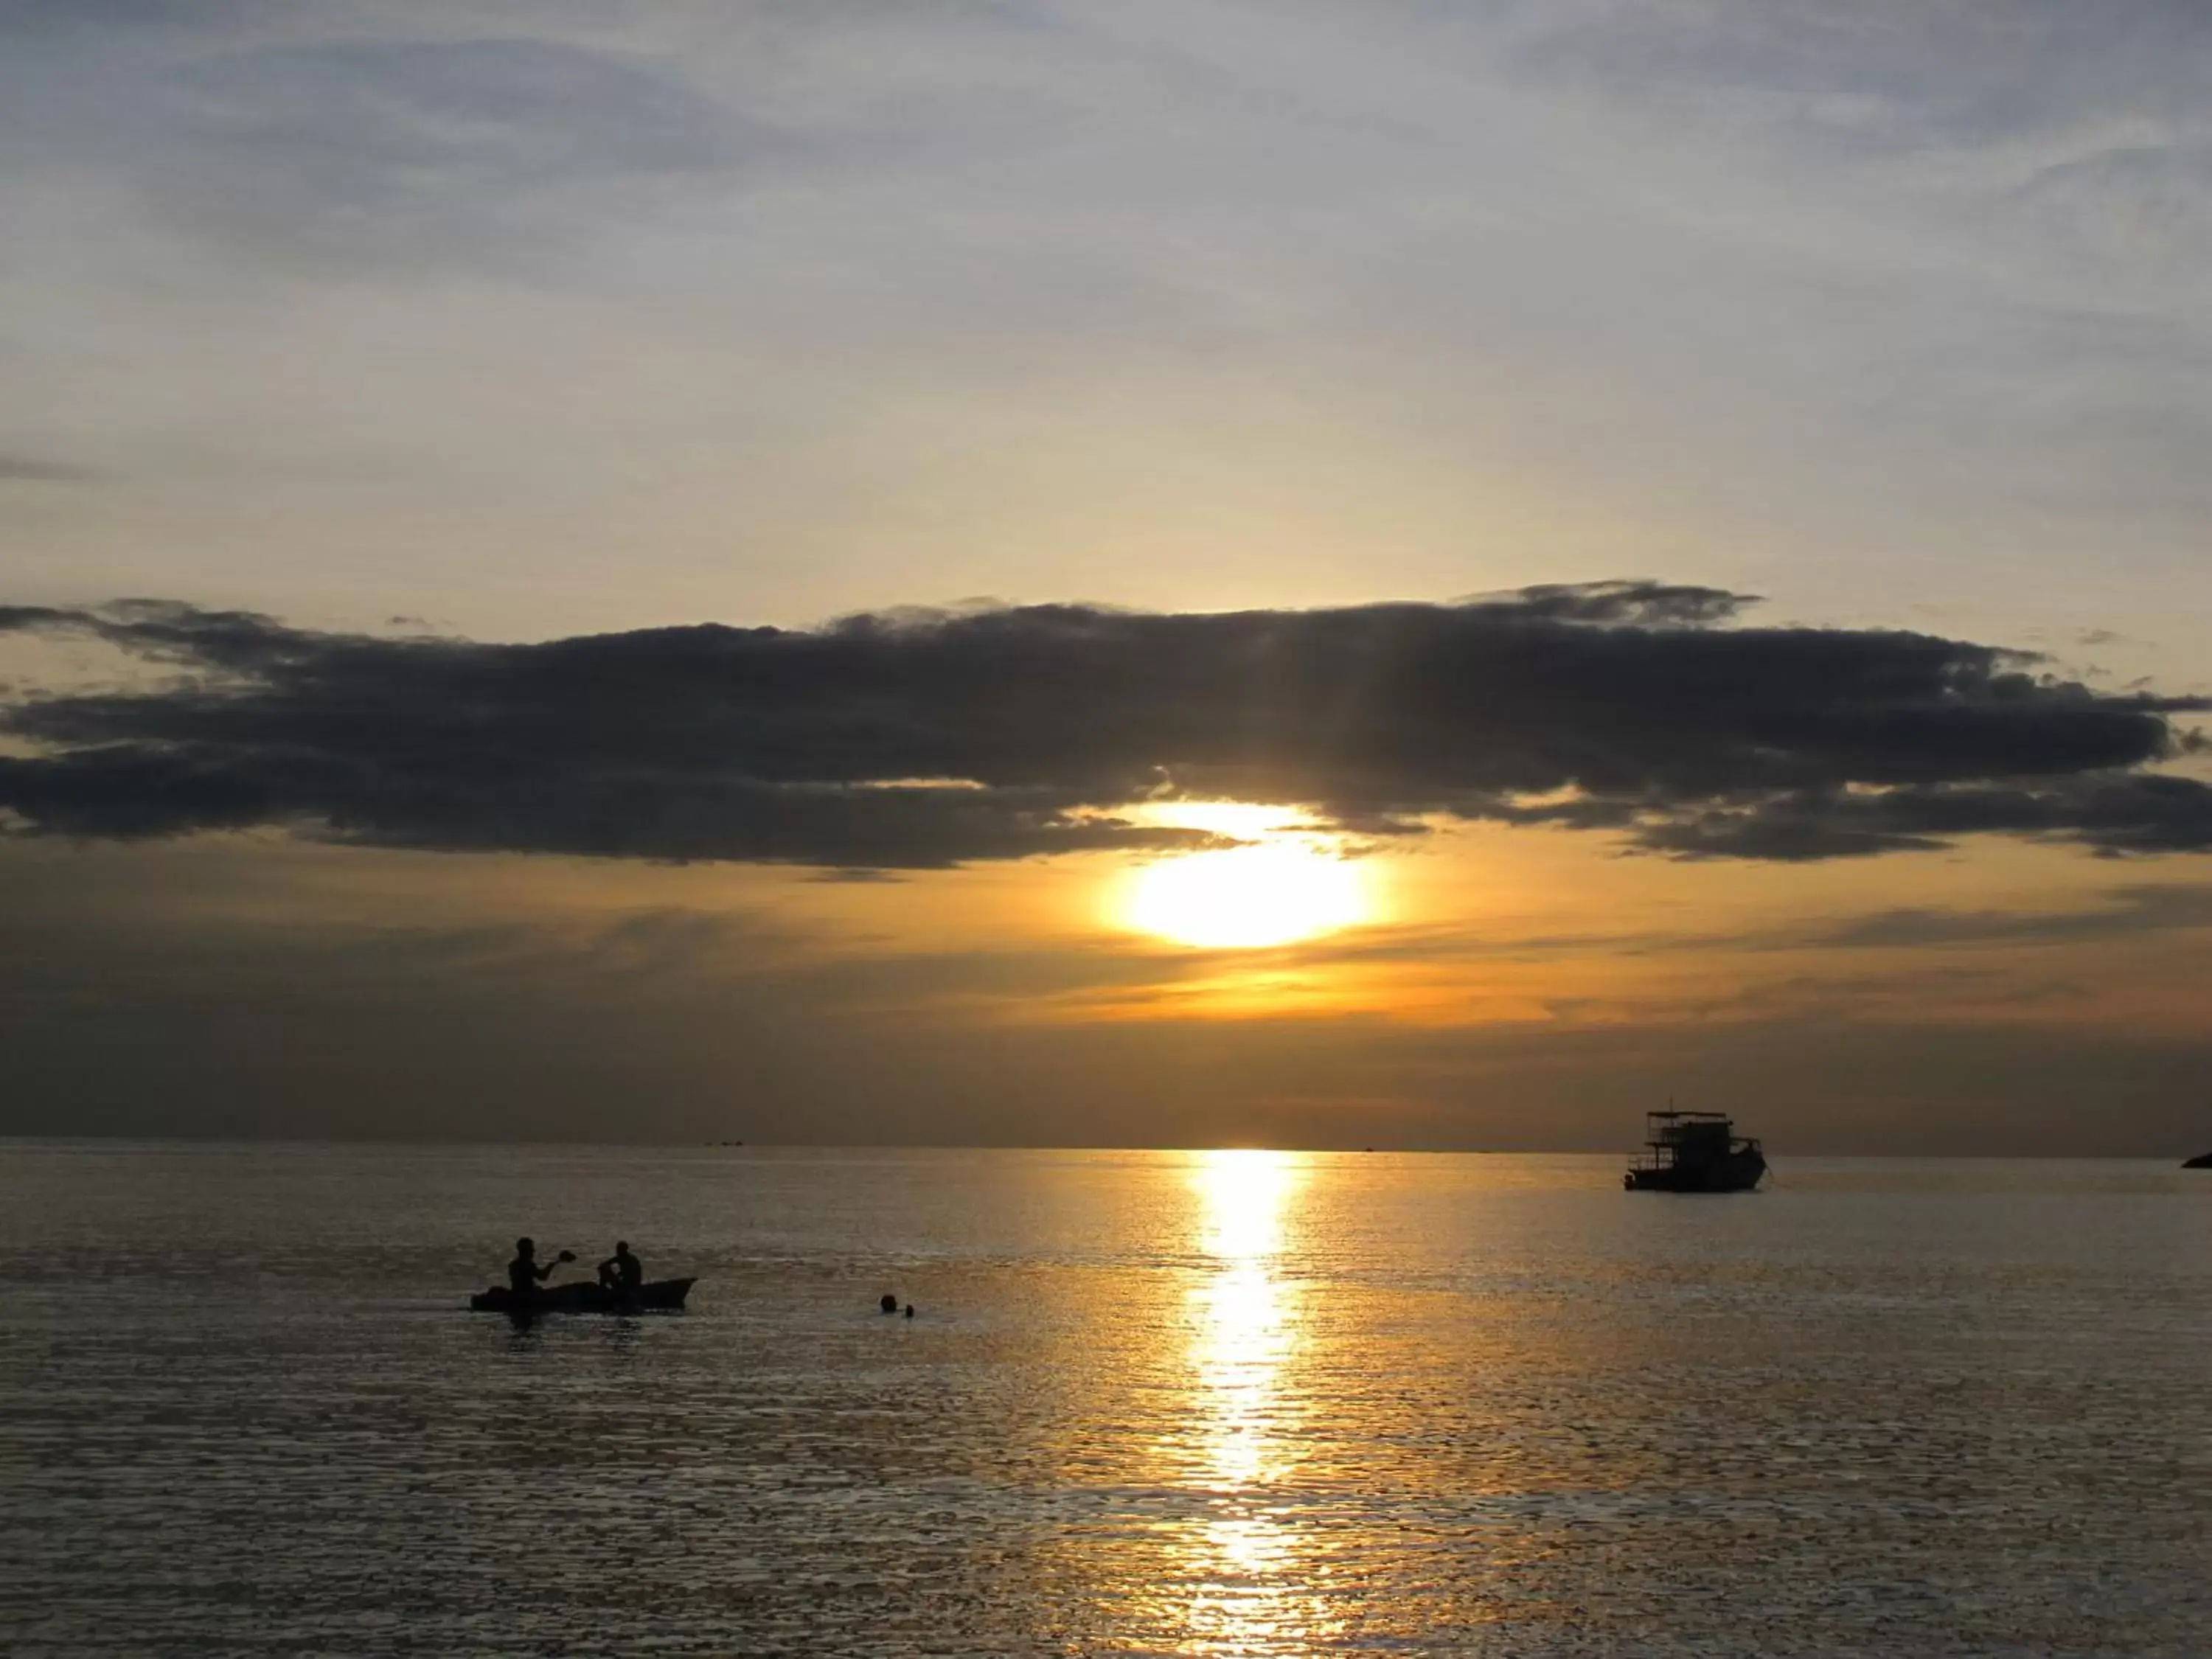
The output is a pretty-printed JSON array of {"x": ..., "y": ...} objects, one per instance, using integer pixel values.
[
  {"x": 1694, "y": 1152},
  {"x": 661, "y": 1295}
]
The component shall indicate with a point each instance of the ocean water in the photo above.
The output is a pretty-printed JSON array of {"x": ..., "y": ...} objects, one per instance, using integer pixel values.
[{"x": 1151, "y": 1403}]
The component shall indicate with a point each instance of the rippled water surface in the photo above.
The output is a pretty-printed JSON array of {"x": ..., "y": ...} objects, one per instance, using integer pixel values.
[{"x": 1151, "y": 1403}]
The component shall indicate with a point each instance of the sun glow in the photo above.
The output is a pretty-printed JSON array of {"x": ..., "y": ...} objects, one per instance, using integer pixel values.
[{"x": 1284, "y": 885}]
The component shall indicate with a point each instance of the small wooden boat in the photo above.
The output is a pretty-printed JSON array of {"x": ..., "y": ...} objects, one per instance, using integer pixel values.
[
  {"x": 1694, "y": 1152},
  {"x": 661, "y": 1295}
]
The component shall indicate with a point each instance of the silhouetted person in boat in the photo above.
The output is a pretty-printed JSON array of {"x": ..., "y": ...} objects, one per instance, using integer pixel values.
[
  {"x": 523, "y": 1273},
  {"x": 889, "y": 1304},
  {"x": 621, "y": 1272}
]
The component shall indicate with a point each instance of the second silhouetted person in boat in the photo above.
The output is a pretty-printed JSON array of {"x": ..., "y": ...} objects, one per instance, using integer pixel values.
[{"x": 622, "y": 1271}]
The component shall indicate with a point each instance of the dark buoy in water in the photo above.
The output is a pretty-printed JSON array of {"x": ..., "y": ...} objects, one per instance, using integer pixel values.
[{"x": 889, "y": 1304}]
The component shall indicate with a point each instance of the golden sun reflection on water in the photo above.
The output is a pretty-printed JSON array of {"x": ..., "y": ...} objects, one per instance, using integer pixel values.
[{"x": 1242, "y": 1560}]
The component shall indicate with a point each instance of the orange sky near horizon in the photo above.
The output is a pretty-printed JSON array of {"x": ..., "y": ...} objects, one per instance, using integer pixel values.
[{"x": 1542, "y": 944}]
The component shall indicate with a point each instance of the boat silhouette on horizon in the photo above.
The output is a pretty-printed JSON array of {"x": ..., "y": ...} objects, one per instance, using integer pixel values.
[{"x": 1694, "y": 1152}]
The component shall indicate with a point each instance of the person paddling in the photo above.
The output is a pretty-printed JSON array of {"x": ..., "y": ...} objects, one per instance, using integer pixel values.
[
  {"x": 621, "y": 1272},
  {"x": 523, "y": 1273}
]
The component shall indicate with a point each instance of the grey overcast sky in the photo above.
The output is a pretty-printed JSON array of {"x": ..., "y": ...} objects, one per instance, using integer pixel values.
[{"x": 440, "y": 371}]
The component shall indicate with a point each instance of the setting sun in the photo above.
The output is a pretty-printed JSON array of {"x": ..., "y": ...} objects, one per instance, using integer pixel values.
[{"x": 1276, "y": 891}]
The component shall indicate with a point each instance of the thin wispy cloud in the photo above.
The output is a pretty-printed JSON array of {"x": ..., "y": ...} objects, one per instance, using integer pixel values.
[
  {"x": 2126, "y": 913},
  {"x": 424, "y": 155},
  {"x": 36, "y": 469}
]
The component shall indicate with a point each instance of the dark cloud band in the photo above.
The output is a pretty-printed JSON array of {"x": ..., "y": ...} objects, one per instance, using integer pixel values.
[{"x": 918, "y": 740}]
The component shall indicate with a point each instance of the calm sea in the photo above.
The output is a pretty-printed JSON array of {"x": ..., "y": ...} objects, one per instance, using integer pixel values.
[{"x": 1151, "y": 1403}]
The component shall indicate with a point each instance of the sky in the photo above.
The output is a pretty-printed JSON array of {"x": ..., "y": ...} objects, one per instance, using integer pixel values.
[{"x": 1026, "y": 572}]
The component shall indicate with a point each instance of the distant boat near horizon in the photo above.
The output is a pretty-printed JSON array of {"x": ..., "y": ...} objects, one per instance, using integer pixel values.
[
  {"x": 2201, "y": 1161},
  {"x": 1694, "y": 1152}
]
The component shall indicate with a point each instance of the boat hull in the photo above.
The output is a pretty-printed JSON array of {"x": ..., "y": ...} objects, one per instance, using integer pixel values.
[
  {"x": 662, "y": 1296},
  {"x": 1739, "y": 1172}
]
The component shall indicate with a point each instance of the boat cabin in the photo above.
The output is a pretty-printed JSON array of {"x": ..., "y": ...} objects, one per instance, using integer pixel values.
[{"x": 1695, "y": 1152}]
